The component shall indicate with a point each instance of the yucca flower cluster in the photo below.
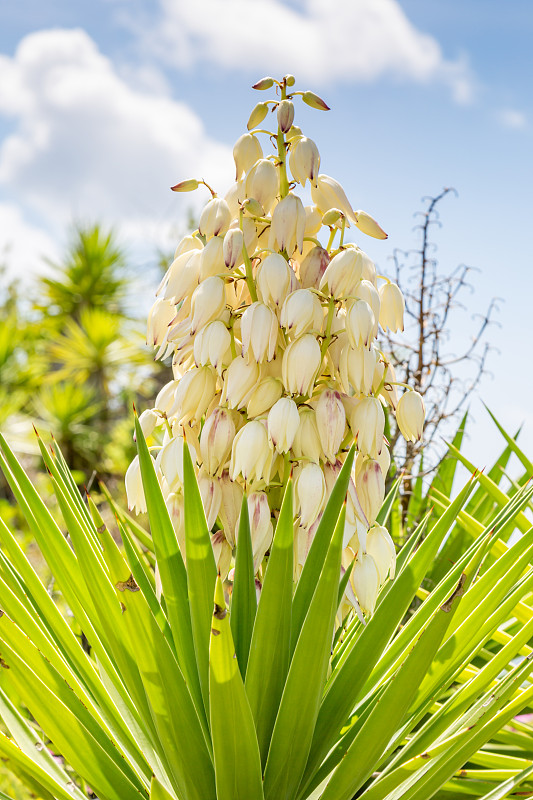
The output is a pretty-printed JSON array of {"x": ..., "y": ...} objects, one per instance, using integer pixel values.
[{"x": 271, "y": 320}]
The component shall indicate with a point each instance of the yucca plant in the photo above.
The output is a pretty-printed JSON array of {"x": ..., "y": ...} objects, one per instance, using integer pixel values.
[{"x": 269, "y": 654}]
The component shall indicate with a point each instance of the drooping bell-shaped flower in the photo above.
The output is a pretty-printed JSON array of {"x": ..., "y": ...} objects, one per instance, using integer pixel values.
[
  {"x": 282, "y": 423},
  {"x": 410, "y": 414}
]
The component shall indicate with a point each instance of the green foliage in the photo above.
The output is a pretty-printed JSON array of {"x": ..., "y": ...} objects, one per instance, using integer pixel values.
[{"x": 177, "y": 687}]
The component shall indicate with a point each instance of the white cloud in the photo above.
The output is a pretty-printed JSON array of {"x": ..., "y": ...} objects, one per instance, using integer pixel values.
[
  {"x": 512, "y": 118},
  {"x": 88, "y": 146},
  {"x": 350, "y": 40},
  {"x": 23, "y": 246}
]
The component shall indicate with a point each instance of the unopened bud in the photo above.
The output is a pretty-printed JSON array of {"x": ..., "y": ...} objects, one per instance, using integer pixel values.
[
  {"x": 195, "y": 392},
  {"x": 310, "y": 493},
  {"x": 368, "y": 424},
  {"x": 307, "y": 442},
  {"x": 262, "y": 183},
  {"x": 134, "y": 487},
  {"x": 370, "y": 487},
  {"x": 288, "y": 225},
  {"x": 313, "y": 100},
  {"x": 328, "y": 193},
  {"x": 410, "y": 414},
  {"x": 251, "y": 455},
  {"x": 331, "y": 217},
  {"x": 285, "y": 115},
  {"x": 368, "y": 225},
  {"x": 294, "y": 133},
  {"x": 230, "y": 507},
  {"x": 259, "y": 332},
  {"x": 365, "y": 581},
  {"x": 392, "y": 307},
  {"x": 185, "y": 186},
  {"x": 216, "y": 439},
  {"x": 360, "y": 324},
  {"x": 261, "y": 528},
  {"x": 273, "y": 279},
  {"x": 331, "y": 423},
  {"x": 257, "y": 116},
  {"x": 313, "y": 267},
  {"x": 300, "y": 365},
  {"x": 215, "y": 218},
  {"x": 232, "y": 247},
  {"x": 290, "y": 80},
  {"x": 263, "y": 397},
  {"x": 283, "y": 421},
  {"x": 357, "y": 368},
  {"x": 253, "y": 207},
  {"x": 240, "y": 379},
  {"x": 380, "y": 546},
  {"x": 207, "y": 302},
  {"x": 264, "y": 83},
  {"x": 246, "y": 152}
]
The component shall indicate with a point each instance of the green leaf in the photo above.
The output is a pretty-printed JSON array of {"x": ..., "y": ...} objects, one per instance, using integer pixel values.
[
  {"x": 268, "y": 662},
  {"x": 298, "y": 711},
  {"x": 159, "y": 792},
  {"x": 244, "y": 596},
  {"x": 201, "y": 570},
  {"x": 235, "y": 747}
]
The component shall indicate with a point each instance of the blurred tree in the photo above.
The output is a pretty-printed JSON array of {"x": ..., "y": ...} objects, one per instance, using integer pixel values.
[{"x": 424, "y": 357}]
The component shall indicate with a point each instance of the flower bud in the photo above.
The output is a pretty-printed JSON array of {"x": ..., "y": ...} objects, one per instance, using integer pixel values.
[
  {"x": 331, "y": 423},
  {"x": 288, "y": 225},
  {"x": 392, "y": 307},
  {"x": 360, "y": 323},
  {"x": 185, "y": 186},
  {"x": 230, "y": 506},
  {"x": 215, "y": 218},
  {"x": 165, "y": 398},
  {"x": 257, "y": 116},
  {"x": 211, "y": 495},
  {"x": 328, "y": 193},
  {"x": 261, "y": 529},
  {"x": 365, "y": 581},
  {"x": 264, "y": 83},
  {"x": 285, "y": 115},
  {"x": 367, "y": 291},
  {"x": 263, "y": 397},
  {"x": 370, "y": 487},
  {"x": 368, "y": 424},
  {"x": 410, "y": 414},
  {"x": 343, "y": 273},
  {"x": 313, "y": 267},
  {"x": 232, "y": 247},
  {"x": 307, "y": 444},
  {"x": 183, "y": 276},
  {"x": 212, "y": 346},
  {"x": 357, "y": 368},
  {"x": 212, "y": 258},
  {"x": 159, "y": 318},
  {"x": 304, "y": 161},
  {"x": 148, "y": 421},
  {"x": 331, "y": 217},
  {"x": 134, "y": 487},
  {"x": 313, "y": 100},
  {"x": 273, "y": 279},
  {"x": 251, "y": 455},
  {"x": 262, "y": 183},
  {"x": 283, "y": 421},
  {"x": 310, "y": 493},
  {"x": 380, "y": 546},
  {"x": 368, "y": 225},
  {"x": 259, "y": 333},
  {"x": 208, "y": 302},
  {"x": 300, "y": 365},
  {"x": 196, "y": 389},
  {"x": 239, "y": 381},
  {"x": 301, "y": 312},
  {"x": 170, "y": 461},
  {"x": 222, "y": 553},
  {"x": 246, "y": 152},
  {"x": 216, "y": 439}
]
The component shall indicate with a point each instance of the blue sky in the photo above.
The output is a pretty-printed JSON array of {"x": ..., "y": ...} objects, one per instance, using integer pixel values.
[{"x": 104, "y": 105}]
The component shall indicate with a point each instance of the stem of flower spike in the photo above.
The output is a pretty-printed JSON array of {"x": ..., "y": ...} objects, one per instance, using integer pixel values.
[
  {"x": 282, "y": 151},
  {"x": 248, "y": 264},
  {"x": 327, "y": 338}
]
